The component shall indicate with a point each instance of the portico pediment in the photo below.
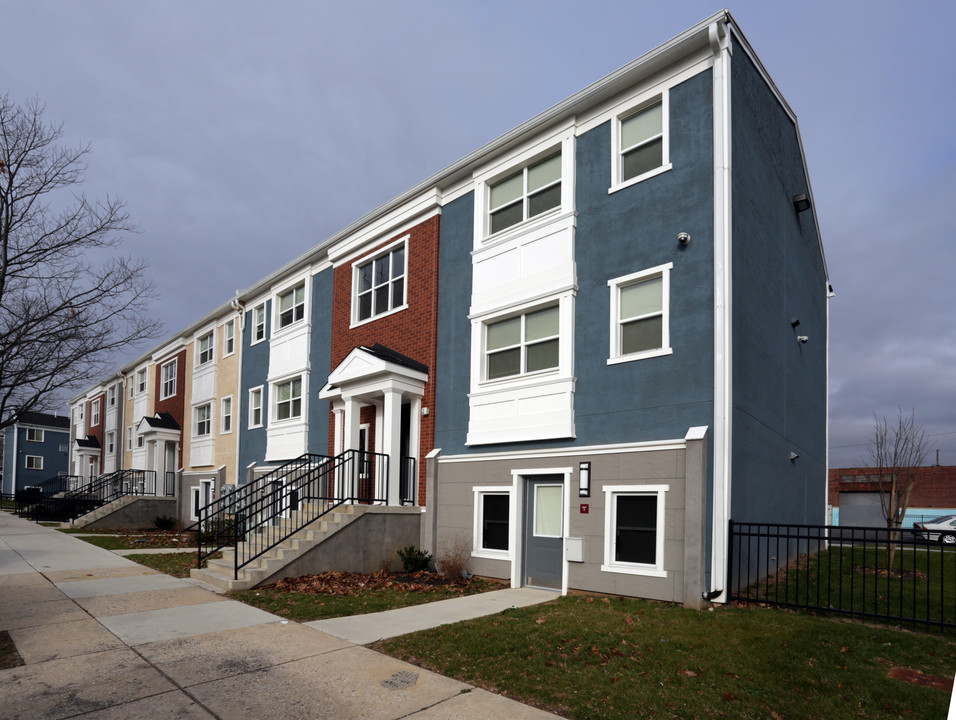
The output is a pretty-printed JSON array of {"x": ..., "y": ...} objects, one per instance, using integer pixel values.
[{"x": 366, "y": 367}]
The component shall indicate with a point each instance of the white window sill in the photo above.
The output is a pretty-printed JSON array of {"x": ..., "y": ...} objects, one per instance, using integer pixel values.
[
  {"x": 491, "y": 554},
  {"x": 645, "y": 570},
  {"x": 661, "y": 352},
  {"x": 640, "y": 178},
  {"x": 525, "y": 226}
]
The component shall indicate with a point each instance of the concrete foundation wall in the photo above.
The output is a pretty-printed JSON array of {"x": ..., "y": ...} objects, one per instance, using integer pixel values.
[
  {"x": 367, "y": 544},
  {"x": 140, "y": 514}
]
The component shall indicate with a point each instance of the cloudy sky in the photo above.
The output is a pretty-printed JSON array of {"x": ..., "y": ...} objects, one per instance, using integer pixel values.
[{"x": 241, "y": 134}]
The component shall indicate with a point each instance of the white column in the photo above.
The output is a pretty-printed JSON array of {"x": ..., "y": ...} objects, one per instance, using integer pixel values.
[
  {"x": 414, "y": 441},
  {"x": 339, "y": 413},
  {"x": 392, "y": 441},
  {"x": 353, "y": 412}
]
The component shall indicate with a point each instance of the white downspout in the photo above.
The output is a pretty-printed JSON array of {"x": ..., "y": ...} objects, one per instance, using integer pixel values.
[{"x": 723, "y": 366}]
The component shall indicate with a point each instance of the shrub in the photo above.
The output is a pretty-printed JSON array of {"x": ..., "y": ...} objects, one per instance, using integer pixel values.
[
  {"x": 164, "y": 522},
  {"x": 453, "y": 559},
  {"x": 413, "y": 559}
]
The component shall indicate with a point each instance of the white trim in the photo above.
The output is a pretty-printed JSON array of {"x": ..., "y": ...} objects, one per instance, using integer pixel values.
[
  {"x": 478, "y": 550},
  {"x": 163, "y": 381},
  {"x": 371, "y": 258},
  {"x": 645, "y": 101},
  {"x": 225, "y": 337},
  {"x": 285, "y": 289},
  {"x": 274, "y": 399},
  {"x": 259, "y": 307},
  {"x": 653, "y": 446},
  {"x": 611, "y": 493},
  {"x": 616, "y": 285},
  {"x": 723, "y": 315},
  {"x": 198, "y": 362},
  {"x": 28, "y": 458},
  {"x": 516, "y": 519},
  {"x": 222, "y": 415},
  {"x": 249, "y": 423},
  {"x": 195, "y": 420}
]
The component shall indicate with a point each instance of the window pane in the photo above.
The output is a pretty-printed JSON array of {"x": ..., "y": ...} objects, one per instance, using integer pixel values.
[
  {"x": 494, "y": 528},
  {"x": 541, "y": 324},
  {"x": 643, "y": 159},
  {"x": 542, "y": 356},
  {"x": 381, "y": 270},
  {"x": 636, "y": 536},
  {"x": 504, "y": 333},
  {"x": 365, "y": 277},
  {"x": 398, "y": 293},
  {"x": 544, "y": 173},
  {"x": 398, "y": 263},
  {"x": 505, "y": 363},
  {"x": 511, "y": 215},
  {"x": 547, "y": 510},
  {"x": 544, "y": 200},
  {"x": 283, "y": 392},
  {"x": 296, "y": 388},
  {"x": 507, "y": 191},
  {"x": 642, "y": 126},
  {"x": 642, "y": 298},
  {"x": 641, "y": 335},
  {"x": 285, "y": 301},
  {"x": 381, "y": 299},
  {"x": 365, "y": 306}
]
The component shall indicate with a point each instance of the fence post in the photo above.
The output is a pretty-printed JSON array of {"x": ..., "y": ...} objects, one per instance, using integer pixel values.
[{"x": 730, "y": 561}]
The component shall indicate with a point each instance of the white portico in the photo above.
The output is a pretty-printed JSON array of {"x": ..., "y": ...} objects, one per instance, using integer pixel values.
[{"x": 394, "y": 385}]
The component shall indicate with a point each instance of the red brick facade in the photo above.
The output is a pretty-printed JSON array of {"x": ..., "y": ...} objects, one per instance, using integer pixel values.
[
  {"x": 935, "y": 486},
  {"x": 411, "y": 332},
  {"x": 175, "y": 405},
  {"x": 97, "y": 430}
]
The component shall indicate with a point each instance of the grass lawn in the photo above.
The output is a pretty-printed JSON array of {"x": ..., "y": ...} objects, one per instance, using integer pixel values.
[
  {"x": 175, "y": 564},
  {"x": 306, "y": 606},
  {"x": 586, "y": 657},
  {"x": 133, "y": 540}
]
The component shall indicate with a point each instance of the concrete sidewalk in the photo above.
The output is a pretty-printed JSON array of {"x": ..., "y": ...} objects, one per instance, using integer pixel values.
[{"x": 106, "y": 638}]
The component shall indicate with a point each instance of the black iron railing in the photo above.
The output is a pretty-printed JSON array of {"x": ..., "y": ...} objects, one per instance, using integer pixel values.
[
  {"x": 264, "y": 513},
  {"x": 408, "y": 482},
  {"x": 868, "y": 572},
  {"x": 170, "y": 484},
  {"x": 57, "y": 484}
]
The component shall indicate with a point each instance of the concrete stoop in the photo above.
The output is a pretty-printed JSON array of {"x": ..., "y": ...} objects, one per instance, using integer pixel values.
[
  {"x": 121, "y": 513},
  {"x": 219, "y": 573},
  {"x": 101, "y": 512}
]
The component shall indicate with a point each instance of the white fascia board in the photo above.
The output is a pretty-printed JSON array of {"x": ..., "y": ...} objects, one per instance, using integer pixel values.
[
  {"x": 396, "y": 222},
  {"x": 164, "y": 353},
  {"x": 652, "y": 446}
]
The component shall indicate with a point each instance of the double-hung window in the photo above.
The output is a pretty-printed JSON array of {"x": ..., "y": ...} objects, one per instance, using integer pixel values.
[
  {"x": 640, "y": 310},
  {"x": 141, "y": 381},
  {"x": 641, "y": 143},
  {"x": 258, "y": 323},
  {"x": 531, "y": 191},
  {"x": 34, "y": 462},
  {"x": 380, "y": 284},
  {"x": 255, "y": 407},
  {"x": 288, "y": 399},
  {"x": 203, "y": 420},
  {"x": 634, "y": 529},
  {"x": 167, "y": 376},
  {"x": 292, "y": 306},
  {"x": 129, "y": 437},
  {"x": 111, "y": 442},
  {"x": 522, "y": 344},
  {"x": 229, "y": 338},
  {"x": 94, "y": 413},
  {"x": 225, "y": 425},
  {"x": 111, "y": 396},
  {"x": 205, "y": 348},
  {"x": 34, "y": 435}
]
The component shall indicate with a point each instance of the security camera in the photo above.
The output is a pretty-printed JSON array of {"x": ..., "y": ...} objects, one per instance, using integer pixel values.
[
  {"x": 802, "y": 338},
  {"x": 683, "y": 238}
]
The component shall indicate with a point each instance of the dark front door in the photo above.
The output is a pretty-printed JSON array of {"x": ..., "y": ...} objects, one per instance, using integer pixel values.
[{"x": 543, "y": 529}]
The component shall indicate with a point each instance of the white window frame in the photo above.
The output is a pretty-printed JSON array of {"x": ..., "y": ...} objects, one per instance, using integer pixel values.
[
  {"x": 259, "y": 329},
  {"x": 274, "y": 401},
  {"x": 142, "y": 377},
  {"x": 229, "y": 338},
  {"x": 611, "y": 493},
  {"x": 478, "y": 550},
  {"x": 35, "y": 435},
  {"x": 129, "y": 438},
  {"x": 225, "y": 416},
  {"x": 110, "y": 442},
  {"x": 617, "y": 160},
  {"x": 616, "y": 285},
  {"x": 202, "y": 427},
  {"x": 523, "y": 344},
  {"x": 205, "y": 349},
  {"x": 94, "y": 412},
  {"x": 33, "y": 462},
  {"x": 140, "y": 441},
  {"x": 297, "y": 309},
  {"x": 196, "y": 492},
  {"x": 370, "y": 260},
  {"x": 525, "y": 198},
  {"x": 111, "y": 396},
  {"x": 255, "y": 407},
  {"x": 167, "y": 385}
]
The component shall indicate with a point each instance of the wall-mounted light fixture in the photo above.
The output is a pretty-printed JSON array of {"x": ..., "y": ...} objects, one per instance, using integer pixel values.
[
  {"x": 802, "y": 339},
  {"x": 424, "y": 411},
  {"x": 683, "y": 238},
  {"x": 584, "y": 480},
  {"x": 801, "y": 202}
]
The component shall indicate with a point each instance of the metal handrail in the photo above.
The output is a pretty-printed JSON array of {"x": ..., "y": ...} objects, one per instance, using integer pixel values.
[
  {"x": 86, "y": 495},
  {"x": 54, "y": 485},
  {"x": 261, "y": 515}
]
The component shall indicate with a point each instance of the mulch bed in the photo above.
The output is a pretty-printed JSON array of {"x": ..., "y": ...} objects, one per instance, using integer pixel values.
[{"x": 347, "y": 583}]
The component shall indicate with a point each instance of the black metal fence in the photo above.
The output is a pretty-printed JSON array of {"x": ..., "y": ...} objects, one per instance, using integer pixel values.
[
  {"x": 898, "y": 576},
  {"x": 74, "y": 496}
]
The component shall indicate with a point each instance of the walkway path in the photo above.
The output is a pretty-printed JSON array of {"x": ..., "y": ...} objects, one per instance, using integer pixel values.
[{"x": 109, "y": 639}]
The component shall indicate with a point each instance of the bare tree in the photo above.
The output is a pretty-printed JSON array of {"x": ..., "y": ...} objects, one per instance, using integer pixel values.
[
  {"x": 896, "y": 452},
  {"x": 63, "y": 314}
]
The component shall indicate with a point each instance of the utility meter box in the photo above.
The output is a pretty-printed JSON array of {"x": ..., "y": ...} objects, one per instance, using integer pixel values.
[{"x": 574, "y": 549}]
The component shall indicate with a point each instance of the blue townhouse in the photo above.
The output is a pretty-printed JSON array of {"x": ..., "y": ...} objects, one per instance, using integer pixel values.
[{"x": 35, "y": 449}]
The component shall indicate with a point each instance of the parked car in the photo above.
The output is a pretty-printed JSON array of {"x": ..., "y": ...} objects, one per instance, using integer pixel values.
[{"x": 942, "y": 529}]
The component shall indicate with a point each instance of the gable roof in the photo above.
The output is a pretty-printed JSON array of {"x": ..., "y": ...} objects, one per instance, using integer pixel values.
[{"x": 46, "y": 420}]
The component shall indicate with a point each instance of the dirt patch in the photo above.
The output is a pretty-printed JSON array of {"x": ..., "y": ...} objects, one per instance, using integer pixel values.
[
  {"x": 917, "y": 678},
  {"x": 346, "y": 583}
]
